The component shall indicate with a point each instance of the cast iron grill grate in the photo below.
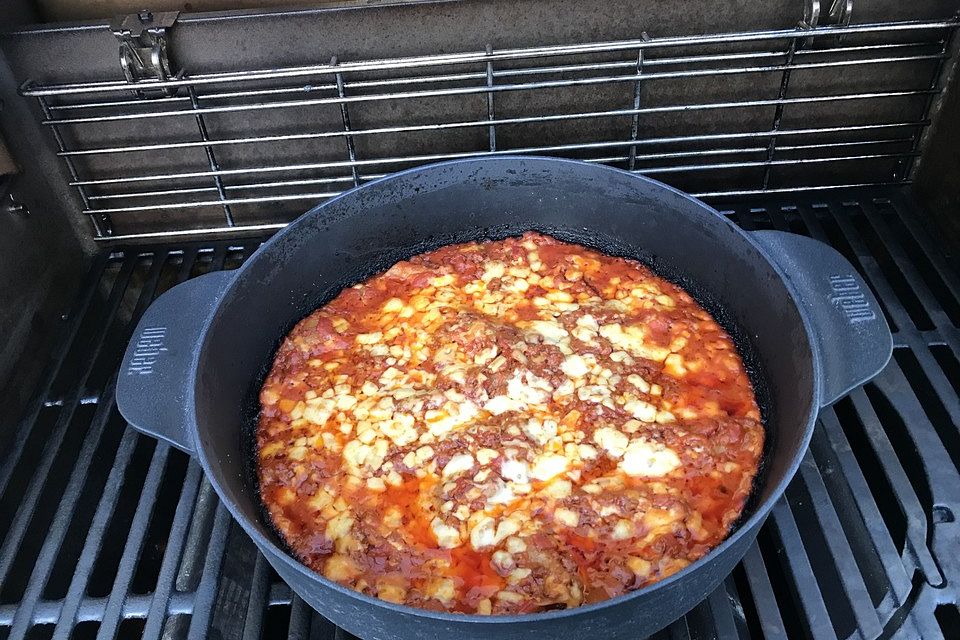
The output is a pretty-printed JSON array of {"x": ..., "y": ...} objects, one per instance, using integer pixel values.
[{"x": 106, "y": 533}]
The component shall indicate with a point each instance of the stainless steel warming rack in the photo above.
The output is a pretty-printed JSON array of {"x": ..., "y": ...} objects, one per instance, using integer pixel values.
[{"x": 720, "y": 115}]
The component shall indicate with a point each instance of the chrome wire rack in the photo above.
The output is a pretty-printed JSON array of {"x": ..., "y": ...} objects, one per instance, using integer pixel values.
[{"x": 719, "y": 115}]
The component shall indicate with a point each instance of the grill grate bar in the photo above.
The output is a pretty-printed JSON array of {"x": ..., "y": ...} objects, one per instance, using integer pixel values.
[
  {"x": 136, "y": 606},
  {"x": 28, "y": 503},
  {"x": 345, "y": 119},
  {"x": 207, "y": 590},
  {"x": 226, "y": 201},
  {"x": 945, "y": 394},
  {"x": 67, "y": 339},
  {"x": 131, "y": 550},
  {"x": 870, "y": 266},
  {"x": 195, "y": 546},
  {"x": 145, "y": 297},
  {"x": 764, "y": 600},
  {"x": 917, "y": 284},
  {"x": 181, "y": 519},
  {"x": 921, "y": 627},
  {"x": 916, "y": 430},
  {"x": 65, "y": 511},
  {"x": 259, "y": 590},
  {"x": 172, "y": 554},
  {"x": 807, "y": 591},
  {"x": 74, "y": 601},
  {"x": 855, "y": 491},
  {"x": 832, "y": 562},
  {"x": 778, "y": 111},
  {"x": 839, "y": 548},
  {"x": 942, "y": 474},
  {"x": 300, "y": 620},
  {"x": 946, "y": 274},
  {"x": 768, "y": 163},
  {"x": 710, "y": 195},
  {"x": 915, "y": 553},
  {"x": 679, "y": 630},
  {"x": 280, "y": 594},
  {"x": 721, "y": 612},
  {"x": 491, "y": 110},
  {"x": 239, "y": 229},
  {"x": 111, "y": 490}
]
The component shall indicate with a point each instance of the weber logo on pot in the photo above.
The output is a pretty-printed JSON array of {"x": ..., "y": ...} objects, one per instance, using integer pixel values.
[
  {"x": 148, "y": 349},
  {"x": 846, "y": 295}
]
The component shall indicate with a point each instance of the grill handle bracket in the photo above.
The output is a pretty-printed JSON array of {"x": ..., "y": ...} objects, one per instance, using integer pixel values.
[
  {"x": 143, "y": 47},
  {"x": 837, "y": 13},
  {"x": 852, "y": 337},
  {"x": 153, "y": 378}
]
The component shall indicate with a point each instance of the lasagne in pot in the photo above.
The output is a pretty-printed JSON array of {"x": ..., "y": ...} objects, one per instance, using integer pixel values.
[{"x": 506, "y": 427}]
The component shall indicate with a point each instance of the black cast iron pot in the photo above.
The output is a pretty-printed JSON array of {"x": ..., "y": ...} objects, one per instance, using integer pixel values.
[{"x": 805, "y": 322}]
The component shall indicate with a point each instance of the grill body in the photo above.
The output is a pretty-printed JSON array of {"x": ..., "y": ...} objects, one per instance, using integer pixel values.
[{"x": 840, "y": 132}]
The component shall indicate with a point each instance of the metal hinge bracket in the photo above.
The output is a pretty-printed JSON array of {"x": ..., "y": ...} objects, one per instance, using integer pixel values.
[
  {"x": 143, "y": 46},
  {"x": 838, "y": 14}
]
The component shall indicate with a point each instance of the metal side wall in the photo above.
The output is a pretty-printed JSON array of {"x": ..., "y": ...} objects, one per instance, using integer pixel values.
[
  {"x": 938, "y": 173},
  {"x": 43, "y": 255}
]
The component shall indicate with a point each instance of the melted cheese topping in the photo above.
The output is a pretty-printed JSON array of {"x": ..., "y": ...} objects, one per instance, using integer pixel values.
[{"x": 506, "y": 427}]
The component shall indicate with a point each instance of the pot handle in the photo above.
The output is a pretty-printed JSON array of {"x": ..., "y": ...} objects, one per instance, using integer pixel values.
[
  {"x": 850, "y": 332},
  {"x": 152, "y": 383}
]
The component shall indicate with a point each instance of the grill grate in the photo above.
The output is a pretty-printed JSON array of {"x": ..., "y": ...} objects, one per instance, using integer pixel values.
[
  {"x": 717, "y": 115},
  {"x": 107, "y": 533}
]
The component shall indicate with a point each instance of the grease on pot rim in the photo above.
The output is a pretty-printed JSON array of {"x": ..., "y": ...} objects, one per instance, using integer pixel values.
[{"x": 506, "y": 427}]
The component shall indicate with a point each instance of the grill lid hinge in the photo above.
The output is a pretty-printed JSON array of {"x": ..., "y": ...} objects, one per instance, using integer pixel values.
[
  {"x": 143, "y": 47},
  {"x": 837, "y": 14}
]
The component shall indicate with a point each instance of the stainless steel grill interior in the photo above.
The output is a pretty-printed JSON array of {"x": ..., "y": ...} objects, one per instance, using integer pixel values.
[{"x": 843, "y": 128}]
